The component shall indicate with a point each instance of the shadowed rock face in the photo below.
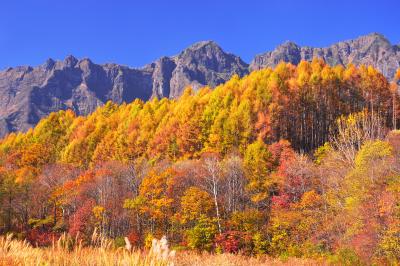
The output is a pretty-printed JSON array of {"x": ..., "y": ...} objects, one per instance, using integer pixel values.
[
  {"x": 202, "y": 64},
  {"x": 373, "y": 49},
  {"x": 28, "y": 94}
]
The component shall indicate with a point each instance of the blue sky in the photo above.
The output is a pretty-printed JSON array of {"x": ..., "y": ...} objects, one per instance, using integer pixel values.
[{"x": 137, "y": 32}]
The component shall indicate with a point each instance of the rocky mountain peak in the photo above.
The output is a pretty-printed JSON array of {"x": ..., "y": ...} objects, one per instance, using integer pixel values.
[
  {"x": 202, "y": 51},
  {"x": 374, "y": 35},
  {"x": 29, "y": 93},
  {"x": 372, "y": 49},
  {"x": 84, "y": 63},
  {"x": 70, "y": 61},
  {"x": 204, "y": 45},
  {"x": 372, "y": 39},
  {"x": 288, "y": 45},
  {"x": 203, "y": 63},
  {"x": 49, "y": 64}
]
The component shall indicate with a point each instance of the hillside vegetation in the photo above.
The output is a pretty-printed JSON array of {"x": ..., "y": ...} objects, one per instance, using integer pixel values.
[{"x": 296, "y": 161}]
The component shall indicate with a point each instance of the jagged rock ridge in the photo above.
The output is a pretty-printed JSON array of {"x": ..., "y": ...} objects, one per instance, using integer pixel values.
[
  {"x": 27, "y": 94},
  {"x": 372, "y": 49}
]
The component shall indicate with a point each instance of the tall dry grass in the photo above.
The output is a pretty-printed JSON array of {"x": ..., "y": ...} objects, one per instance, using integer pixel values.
[
  {"x": 227, "y": 259},
  {"x": 68, "y": 251}
]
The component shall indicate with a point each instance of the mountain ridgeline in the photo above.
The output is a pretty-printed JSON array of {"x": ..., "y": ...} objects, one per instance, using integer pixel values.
[
  {"x": 297, "y": 103},
  {"x": 28, "y": 94},
  {"x": 223, "y": 170},
  {"x": 373, "y": 49}
]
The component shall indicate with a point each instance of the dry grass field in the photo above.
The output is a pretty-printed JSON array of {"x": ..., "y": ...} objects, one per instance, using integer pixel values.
[{"x": 15, "y": 252}]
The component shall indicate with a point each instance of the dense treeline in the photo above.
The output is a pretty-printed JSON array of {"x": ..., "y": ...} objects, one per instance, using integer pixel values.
[{"x": 221, "y": 170}]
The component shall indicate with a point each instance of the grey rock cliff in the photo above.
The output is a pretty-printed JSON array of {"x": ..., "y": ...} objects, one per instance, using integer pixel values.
[
  {"x": 28, "y": 94},
  {"x": 204, "y": 63},
  {"x": 372, "y": 49}
]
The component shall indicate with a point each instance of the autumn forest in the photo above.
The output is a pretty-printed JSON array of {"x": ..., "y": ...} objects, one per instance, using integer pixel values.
[{"x": 296, "y": 161}]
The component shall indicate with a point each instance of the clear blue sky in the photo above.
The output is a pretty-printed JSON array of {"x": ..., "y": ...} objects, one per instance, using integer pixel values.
[{"x": 137, "y": 32}]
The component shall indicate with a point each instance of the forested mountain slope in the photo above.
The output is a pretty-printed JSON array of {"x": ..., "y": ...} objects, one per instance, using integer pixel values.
[
  {"x": 28, "y": 94},
  {"x": 372, "y": 49},
  {"x": 221, "y": 170}
]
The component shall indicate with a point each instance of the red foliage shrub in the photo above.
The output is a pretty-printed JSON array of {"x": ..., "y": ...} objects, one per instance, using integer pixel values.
[
  {"x": 41, "y": 238},
  {"x": 282, "y": 153},
  {"x": 233, "y": 241},
  {"x": 134, "y": 238},
  {"x": 280, "y": 201},
  {"x": 80, "y": 220}
]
